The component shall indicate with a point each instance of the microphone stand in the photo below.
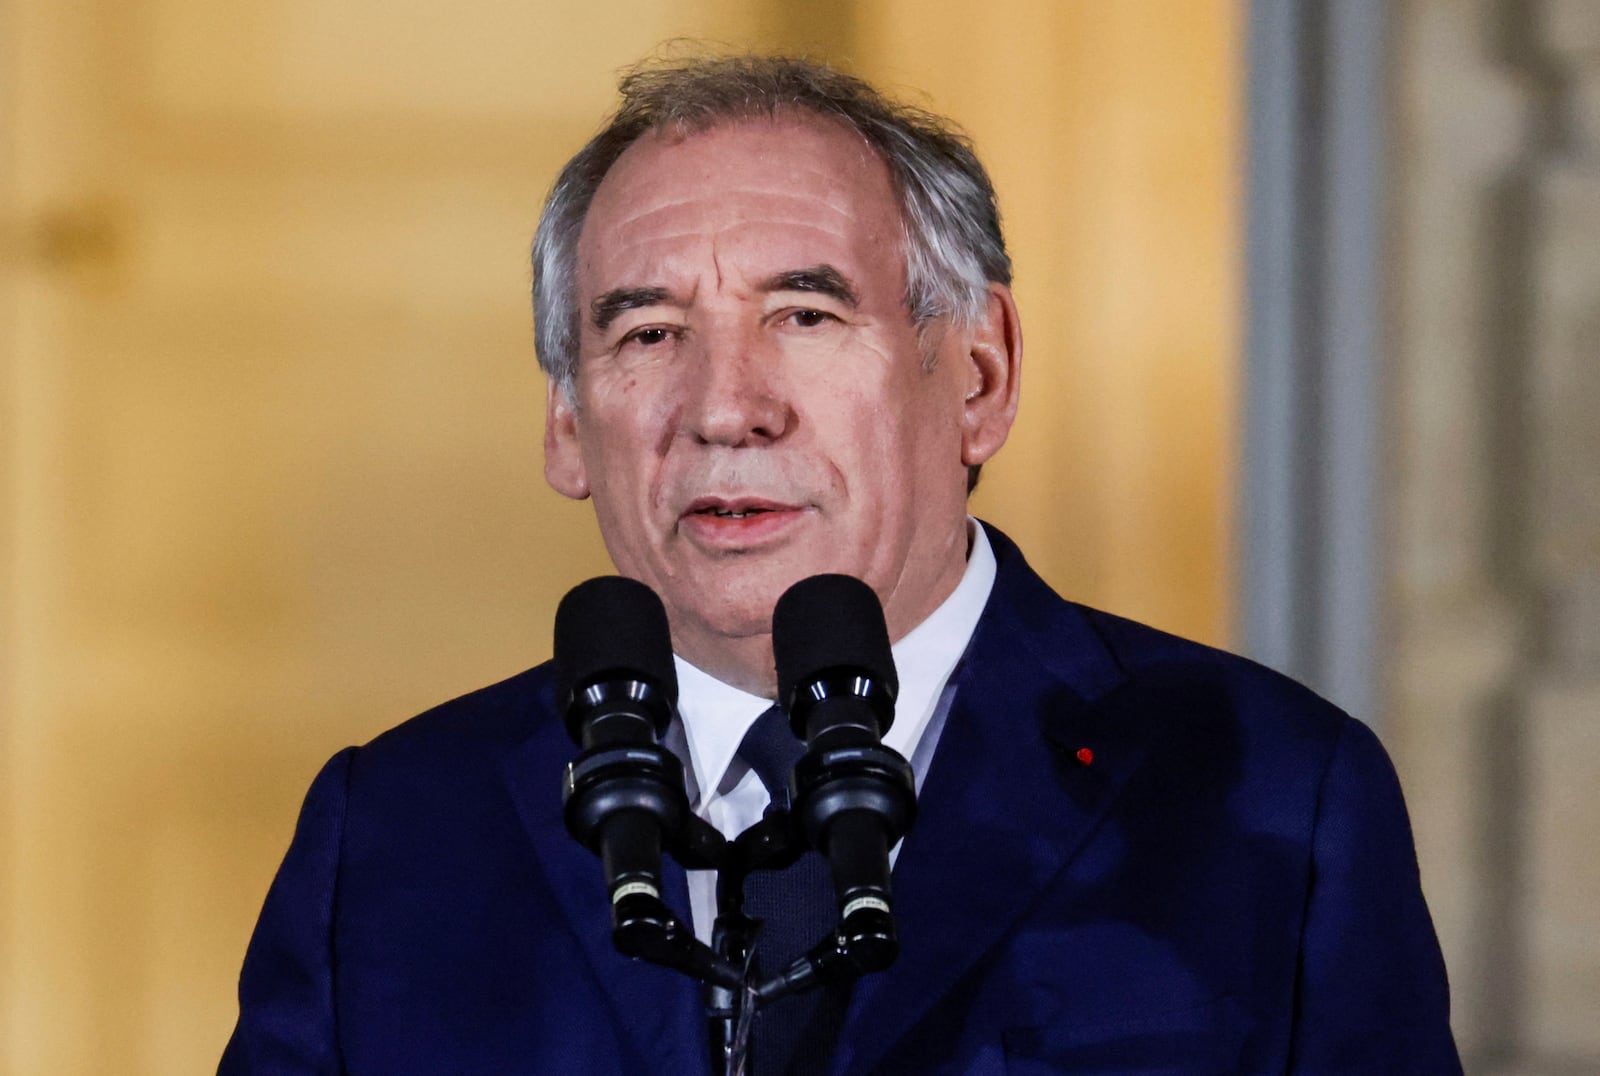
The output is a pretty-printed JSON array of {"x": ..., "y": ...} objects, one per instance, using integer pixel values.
[
  {"x": 862, "y": 942},
  {"x": 645, "y": 928},
  {"x": 624, "y": 798}
]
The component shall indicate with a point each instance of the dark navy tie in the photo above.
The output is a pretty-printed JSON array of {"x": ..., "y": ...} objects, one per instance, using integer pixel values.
[{"x": 793, "y": 1036}]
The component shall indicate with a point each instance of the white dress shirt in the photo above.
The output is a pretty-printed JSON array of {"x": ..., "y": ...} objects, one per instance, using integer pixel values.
[{"x": 716, "y": 716}]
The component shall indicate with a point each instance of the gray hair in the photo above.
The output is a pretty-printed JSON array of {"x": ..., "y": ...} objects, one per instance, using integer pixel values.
[{"x": 953, "y": 243}]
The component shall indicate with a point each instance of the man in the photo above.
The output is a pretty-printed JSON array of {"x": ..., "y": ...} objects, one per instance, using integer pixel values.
[{"x": 775, "y": 312}]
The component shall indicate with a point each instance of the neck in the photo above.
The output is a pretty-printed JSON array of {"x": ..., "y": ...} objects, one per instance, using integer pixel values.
[{"x": 745, "y": 662}]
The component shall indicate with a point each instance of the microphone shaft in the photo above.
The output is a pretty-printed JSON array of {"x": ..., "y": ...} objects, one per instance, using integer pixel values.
[
  {"x": 858, "y": 851},
  {"x": 630, "y": 852}
]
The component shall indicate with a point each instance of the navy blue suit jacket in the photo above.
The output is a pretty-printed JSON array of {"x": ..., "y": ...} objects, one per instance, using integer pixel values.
[{"x": 1227, "y": 886}]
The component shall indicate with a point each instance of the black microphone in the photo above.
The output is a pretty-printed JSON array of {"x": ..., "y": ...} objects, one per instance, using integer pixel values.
[
  {"x": 618, "y": 689},
  {"x": 855, "y": 797}
]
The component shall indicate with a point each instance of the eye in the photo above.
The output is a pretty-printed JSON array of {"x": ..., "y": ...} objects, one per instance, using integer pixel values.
[
  {"x": 649, "y": 336},
  {"x": 810, "y": 319}
]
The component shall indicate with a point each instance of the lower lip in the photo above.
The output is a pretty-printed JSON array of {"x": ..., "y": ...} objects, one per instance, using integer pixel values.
[{"x": 735, "y": 532}]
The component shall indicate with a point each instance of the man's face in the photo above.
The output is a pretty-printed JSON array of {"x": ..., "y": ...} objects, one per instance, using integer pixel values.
[{"x": 752, "y": 403}]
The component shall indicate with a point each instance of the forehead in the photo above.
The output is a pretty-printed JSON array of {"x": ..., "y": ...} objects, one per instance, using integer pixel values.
[{"x": 790, "y": 190}]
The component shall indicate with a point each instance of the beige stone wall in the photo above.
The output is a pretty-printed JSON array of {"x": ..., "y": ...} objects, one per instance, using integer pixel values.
[{"x": 1494, "y": 511}]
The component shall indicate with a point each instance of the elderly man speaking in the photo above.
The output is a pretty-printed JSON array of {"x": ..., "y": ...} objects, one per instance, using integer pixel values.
[{"x": 775, "y": 312}]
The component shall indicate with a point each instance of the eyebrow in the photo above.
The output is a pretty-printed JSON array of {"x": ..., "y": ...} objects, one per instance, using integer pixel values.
[
  {"x": 611, "y": 305},
  {"x": 822, "y": 279}
]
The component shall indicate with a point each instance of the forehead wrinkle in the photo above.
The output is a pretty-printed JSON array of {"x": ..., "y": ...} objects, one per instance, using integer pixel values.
[
  {"x": 835, "y": 223},
  {"x": 646, "y": 158},
  {"x": 806, "y": 205}
]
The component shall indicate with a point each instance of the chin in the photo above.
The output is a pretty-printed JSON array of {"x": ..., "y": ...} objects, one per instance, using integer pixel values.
[
  {"x": 731, "y": 620},
  {"x": 735, "y": 608}
]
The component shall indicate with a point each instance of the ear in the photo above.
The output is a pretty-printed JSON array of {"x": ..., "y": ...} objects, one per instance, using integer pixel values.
[
  {"x": 563, "y": 458},
  {"x": 993, "y": 372}
]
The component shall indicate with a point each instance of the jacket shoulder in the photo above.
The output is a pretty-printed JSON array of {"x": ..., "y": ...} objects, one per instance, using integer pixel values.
[
  {"x": 471, "y": 729},
  {"x": 1102, "y": 657},
  {"x": 1142, "y": 651},
  {"x": 1210, "y": 691}
]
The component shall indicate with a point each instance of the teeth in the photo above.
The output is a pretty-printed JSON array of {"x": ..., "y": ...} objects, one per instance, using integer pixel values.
[{"x": 728, "y": 513}]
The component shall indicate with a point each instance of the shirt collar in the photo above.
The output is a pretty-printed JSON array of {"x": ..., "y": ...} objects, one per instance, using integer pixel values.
[
  {"x": 717, "y": 715},
  {"x": 715, "y": 718}
]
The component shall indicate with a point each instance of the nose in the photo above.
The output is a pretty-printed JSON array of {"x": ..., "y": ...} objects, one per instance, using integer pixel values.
[{"x": 736, "y": 398}]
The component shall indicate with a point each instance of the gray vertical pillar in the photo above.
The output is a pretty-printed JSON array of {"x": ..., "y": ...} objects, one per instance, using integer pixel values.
[{"x": 1308, "y": 600}]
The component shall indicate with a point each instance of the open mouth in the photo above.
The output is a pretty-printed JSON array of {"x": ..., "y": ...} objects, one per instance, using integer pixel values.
[
  {"x": 747, "y": 514},
  {"x": 732, "y": 513}
]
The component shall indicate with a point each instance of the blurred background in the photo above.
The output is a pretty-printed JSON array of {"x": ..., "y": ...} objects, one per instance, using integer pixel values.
[{"x": 1311, "y": 291}]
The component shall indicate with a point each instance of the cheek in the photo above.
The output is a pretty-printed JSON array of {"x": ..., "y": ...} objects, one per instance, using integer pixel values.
[
  {"x": 924, "y": 452},
  {"x": 624, "y": 445},
  {"x": 883, "y": 449},
  {"x": 639, "y": 407}
]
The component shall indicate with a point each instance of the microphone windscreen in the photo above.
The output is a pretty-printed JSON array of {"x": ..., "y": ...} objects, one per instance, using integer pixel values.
[
  {"x": 612, "y": 628},
  {"x": 828, "y": 622}
]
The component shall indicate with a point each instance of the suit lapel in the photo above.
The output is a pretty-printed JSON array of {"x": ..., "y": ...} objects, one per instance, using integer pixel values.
[
  {"x": 656, "y": 1010},
  {"x": 1006, "y": 804}
]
